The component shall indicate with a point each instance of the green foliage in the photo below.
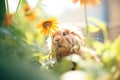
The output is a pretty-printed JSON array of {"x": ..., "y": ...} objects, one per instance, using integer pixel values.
[
  {"x": 108, "y": 52},
  {"x": 17, "y": 49},
  {"x": 63, "y": 66},
  {"x": 13, "y": 68},
  {"x": 116, "y": 48},
  {"x": 16, "y": 61},
  {"x": 2, "y": 12},
  {"x": 12, "y": 42}
]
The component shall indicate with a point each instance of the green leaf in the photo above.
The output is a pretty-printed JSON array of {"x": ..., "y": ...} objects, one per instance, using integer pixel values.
[
  {"x": 100, "y": 25},
  {"x": 63, "y": 66},
  {"x": 116, "y": 48},
  {"x": 92, "y": 28}
]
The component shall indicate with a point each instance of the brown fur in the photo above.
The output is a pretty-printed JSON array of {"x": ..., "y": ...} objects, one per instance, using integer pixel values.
[{"x": 65, "y": 42}]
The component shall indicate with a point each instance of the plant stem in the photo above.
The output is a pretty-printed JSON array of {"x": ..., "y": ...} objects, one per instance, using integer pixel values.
[
  {"x": 86, "y": 25},
  {"x": 7, "y": 6},
  {"x": 105, "y": 35},
  {"x": 52, "y": 41},
  {"x": 18, "y": 6},
  {"x": 50, "y": 33}
]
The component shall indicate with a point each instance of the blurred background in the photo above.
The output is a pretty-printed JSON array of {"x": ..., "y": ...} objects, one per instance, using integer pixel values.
[
  {"x": 23, "y": 47},
  {"x": 107, "y": 11}
]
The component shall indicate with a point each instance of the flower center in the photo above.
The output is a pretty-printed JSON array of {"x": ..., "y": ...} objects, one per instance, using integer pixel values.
[{"x": 47, "y": 24}]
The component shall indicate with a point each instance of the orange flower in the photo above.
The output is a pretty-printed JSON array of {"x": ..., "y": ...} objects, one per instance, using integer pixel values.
[
  {"x": 30, "y": 14},
  {"x": 8, "y": 18},
  {"x": 48, "y": 26},
  {"x": 26, "y": 7},
  {"x": 87, "y": 2},
  {"x": 75, "y": 1}
]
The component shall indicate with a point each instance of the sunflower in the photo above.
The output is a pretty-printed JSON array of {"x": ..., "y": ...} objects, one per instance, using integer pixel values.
[
  {"x": 48, "y": 26},
  {"x": 87, "y": 2}
]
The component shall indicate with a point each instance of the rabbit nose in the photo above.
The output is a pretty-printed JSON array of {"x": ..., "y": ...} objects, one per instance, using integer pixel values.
[{"x": 57, "y": 40}]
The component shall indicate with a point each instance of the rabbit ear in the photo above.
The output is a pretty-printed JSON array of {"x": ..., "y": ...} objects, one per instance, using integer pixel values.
[{"x": 80, "y": 36}]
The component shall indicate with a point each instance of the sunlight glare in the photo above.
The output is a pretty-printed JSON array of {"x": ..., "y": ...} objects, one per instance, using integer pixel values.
[{"x": 54, "y": 7}]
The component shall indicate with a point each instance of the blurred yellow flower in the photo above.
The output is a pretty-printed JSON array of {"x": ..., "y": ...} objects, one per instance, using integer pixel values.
[
  {"x": 87, "y": 2},
  {"x": 48, "y": 26}
]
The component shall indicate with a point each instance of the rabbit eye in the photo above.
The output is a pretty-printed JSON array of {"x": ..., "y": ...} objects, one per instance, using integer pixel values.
[{"x": 64, "y": 33}]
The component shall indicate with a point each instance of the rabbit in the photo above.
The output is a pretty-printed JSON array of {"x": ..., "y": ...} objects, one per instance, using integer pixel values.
[{"x": 67, "y": 41}]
